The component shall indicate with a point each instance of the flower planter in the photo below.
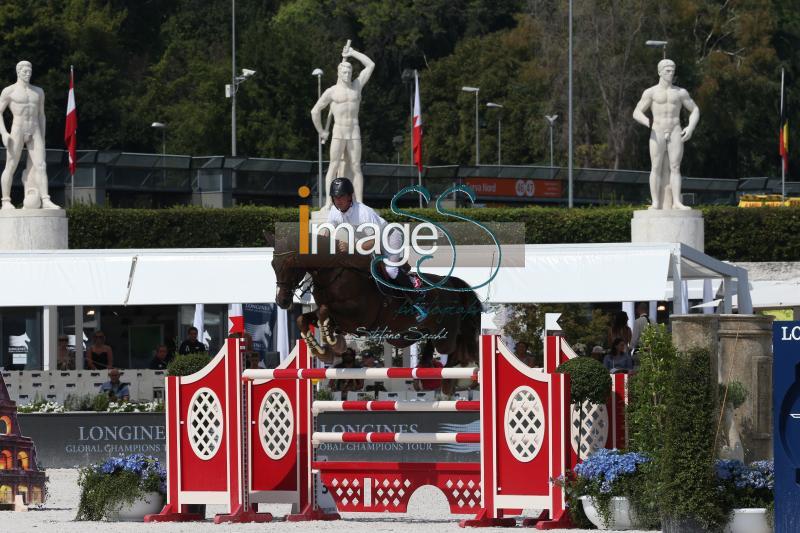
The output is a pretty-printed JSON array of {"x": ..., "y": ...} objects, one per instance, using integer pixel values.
[
  {"x": 749, "y": 521},
  {"x": 622, "y": 517},
  {"x": 149, "y": 503}
]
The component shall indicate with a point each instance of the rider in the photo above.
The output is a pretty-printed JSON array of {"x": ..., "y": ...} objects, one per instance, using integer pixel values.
[{"x": 346, "y": 210}]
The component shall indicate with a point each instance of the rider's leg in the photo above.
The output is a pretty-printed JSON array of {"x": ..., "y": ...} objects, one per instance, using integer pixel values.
[{"x": 337, "y": 148}]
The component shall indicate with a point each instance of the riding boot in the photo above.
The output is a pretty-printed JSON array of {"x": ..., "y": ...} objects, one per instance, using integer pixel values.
[{"x": 404, "y": 280}]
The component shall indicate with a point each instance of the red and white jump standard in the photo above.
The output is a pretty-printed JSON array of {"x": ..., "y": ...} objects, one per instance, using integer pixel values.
[{"x": 247, "y": 437}]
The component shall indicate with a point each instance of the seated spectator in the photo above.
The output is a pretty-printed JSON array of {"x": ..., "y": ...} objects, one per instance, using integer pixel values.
[
  {"x": 116, "y": 390},
  {"x": 521, "y": 351},
  {"x": 368, "y": 361},
  {"x": 347, "y": 385},
  {"x": 99, "y": 355},
  {"x": 618, "y": 359},
  {"x": 191, "y": 344},
  {"x": 161, "y": 359},
  {"x": 66, "y": 357},
  {"x": 426, "y": 360}
]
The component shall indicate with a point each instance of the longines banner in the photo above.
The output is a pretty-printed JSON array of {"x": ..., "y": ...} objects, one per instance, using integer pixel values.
[{"x": 66, "y": 440}]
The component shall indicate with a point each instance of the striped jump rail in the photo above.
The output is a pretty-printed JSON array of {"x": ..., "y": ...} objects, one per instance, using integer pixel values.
[
  {"x": 403, "y": 438},
  {"x": 361, "y": 373},
  {"x": 321, "y": 406}
]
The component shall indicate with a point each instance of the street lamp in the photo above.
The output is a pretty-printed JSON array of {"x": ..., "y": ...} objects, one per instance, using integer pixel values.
[
  {"x": 475, "y": 90},
  {"x": 658, "y": 44},
  {"x": 397, "y": 141},
  {"x": 230, "y": 92},
  {"x": 499, "y": 130},
  {"x": 163, "y": 127},
  {"x": 318, "y": 73},
  {"x": 552, "y": 120}
]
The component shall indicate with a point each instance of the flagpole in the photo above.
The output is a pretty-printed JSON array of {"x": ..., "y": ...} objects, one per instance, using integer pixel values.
[
  {"x": 783, "y": 159},
  {"x": 72, "y": 181}
]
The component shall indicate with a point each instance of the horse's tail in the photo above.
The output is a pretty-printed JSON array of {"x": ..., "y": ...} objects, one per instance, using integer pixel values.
[{"x": 467, "y": 339}]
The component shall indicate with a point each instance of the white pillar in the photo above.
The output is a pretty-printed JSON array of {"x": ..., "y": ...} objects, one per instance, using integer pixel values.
[
  {"x": 629, "y": 308},
  {"x": 708, "y": 296},
  {"x": 653, "y": 312}
]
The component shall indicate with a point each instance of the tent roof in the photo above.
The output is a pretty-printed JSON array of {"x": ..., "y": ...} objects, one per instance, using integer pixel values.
[{"x": 553, "y": 273}]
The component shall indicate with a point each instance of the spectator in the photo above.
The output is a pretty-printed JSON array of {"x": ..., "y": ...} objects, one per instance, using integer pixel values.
[
  {"x": 116, "y": 390},
  {"x": 426, "y": 360},
  {"x": 619, "y": 330},
  {"x": 521, "y": 351},
  {"x": 99, "y": 356},
  {"x": 368, "y": 361},
  {"x": 191, "y": 344},
  {"x": 642, "y": 320},
  {"x": 161, "y": 359},
  {"x": 66, "y": 357},
  {"x": 254, "y": 360},
  {"x": 618, "y": 359},
  {"x": 347, "y": 385},
  {"x": 598, "y": 354}
]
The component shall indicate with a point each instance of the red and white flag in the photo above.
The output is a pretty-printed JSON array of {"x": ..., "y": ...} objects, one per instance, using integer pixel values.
[
  {"x": 71, "y": 126},
  {"x": 417, "y": 125}
]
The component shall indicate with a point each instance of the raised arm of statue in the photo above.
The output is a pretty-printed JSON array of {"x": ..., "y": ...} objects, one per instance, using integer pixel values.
[
  {"x": 694, "y": 116},
  {"x": 316, "y": 112},
  {"x": 641, "y": 107},
  {"x": 369, "y": 65}
]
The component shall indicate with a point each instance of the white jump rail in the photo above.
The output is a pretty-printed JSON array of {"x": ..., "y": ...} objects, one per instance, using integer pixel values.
[
  {"x": 362, "y": 373},
  {"x": 404, "y": 438},
  {"x": 324, "y": 406}
]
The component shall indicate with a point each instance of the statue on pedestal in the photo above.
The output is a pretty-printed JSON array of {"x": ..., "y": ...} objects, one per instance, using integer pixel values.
[
  {"x": 344, "y": 99},
  {"x": 26, "y": 103},
  {"x": 666, "y": 136}
]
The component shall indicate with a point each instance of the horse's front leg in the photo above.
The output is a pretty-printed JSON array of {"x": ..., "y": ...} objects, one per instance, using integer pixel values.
[
  {"x": 304, "y": 323},
  {"x": 335, "y": 342}
]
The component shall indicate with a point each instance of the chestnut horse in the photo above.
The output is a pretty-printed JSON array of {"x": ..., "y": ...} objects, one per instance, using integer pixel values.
[{"x": 351, "y": 301}]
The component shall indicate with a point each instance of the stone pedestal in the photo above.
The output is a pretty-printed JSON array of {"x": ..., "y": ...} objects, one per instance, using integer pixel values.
[
  {"x": 33, "y": 229},
  {"x": 670, "y": 225},
  {"x": 743, "y": 344},
  {"x": 745, "y": 355}
]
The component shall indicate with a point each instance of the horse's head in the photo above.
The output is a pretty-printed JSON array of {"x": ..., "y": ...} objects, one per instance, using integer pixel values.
[{"x": 288, "y": 277}]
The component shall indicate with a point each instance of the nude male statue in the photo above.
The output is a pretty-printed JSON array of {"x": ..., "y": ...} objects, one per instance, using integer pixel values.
[
  {"x": 666, "y": 136},
  {"x": 344, "y": 99}
]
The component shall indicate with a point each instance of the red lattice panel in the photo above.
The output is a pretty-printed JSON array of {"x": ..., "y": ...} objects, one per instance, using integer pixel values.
[{"x": 387, "y": 487}]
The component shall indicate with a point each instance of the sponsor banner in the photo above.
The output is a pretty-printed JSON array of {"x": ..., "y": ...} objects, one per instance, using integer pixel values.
[
  {"x": 259, "y": 321},
  {"x": 67, "y": 440},
  {"x": 510, "y": 187},
  {"x": 786, "y": 424}
]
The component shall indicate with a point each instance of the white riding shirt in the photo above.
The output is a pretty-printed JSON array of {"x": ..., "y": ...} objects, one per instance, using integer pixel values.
[{"x": 358, "y": 214}]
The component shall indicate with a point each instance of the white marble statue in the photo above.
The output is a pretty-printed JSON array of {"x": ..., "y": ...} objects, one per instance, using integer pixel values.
[
  {"x": 666, "y": 135},
  {"x": 26, "y": 103},
  {"x": 344, "y": 99}
]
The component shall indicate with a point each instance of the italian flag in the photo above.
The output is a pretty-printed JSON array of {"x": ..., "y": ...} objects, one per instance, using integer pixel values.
[
  {"x": 71, "y": 125},
  {"x": 417, "y": 140}
]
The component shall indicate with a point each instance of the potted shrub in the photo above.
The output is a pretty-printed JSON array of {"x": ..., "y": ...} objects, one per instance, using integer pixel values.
[
  {"x": 749, "y": 489},
  {"x": 121, "y": 489},
  {"x": 605, "y": 484}
]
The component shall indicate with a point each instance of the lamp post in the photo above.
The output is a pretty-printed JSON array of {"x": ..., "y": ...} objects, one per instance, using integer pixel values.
[
  {"x": 569, "y": 112},
  {"x": 658, "y": 44},
  {"x": 552, "y": 120},
  {"x": 493, "y": 105},
  {"x": 230, "y": 92},
  {"x": 163, "y": 127},
  {"x": 318, "y": 73},
  {"x": 397, "y": 141},
  {"x": 475, "y": 90}
]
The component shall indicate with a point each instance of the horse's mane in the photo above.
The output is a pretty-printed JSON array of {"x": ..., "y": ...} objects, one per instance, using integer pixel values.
[{"x": 322, "y": 258}]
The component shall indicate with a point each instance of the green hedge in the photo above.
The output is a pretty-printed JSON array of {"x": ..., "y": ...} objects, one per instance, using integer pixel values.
[{"x": 765, "y": 234}]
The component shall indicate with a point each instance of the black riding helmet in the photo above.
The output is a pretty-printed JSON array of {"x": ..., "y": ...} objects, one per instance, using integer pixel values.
[{"x": 341, "y": 187}]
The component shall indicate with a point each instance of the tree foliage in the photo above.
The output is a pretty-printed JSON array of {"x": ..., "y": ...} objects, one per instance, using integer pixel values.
[{"x": 168, "y": 60}]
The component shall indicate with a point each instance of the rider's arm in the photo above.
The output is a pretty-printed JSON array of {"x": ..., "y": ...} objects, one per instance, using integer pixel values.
[
  {"x": 369, "y": 66},
  {"x": 316, "y": 111},
  {"x": 641, "y": 107}
]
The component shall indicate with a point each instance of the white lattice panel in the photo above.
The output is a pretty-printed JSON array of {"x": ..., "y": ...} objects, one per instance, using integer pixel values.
[
  {"x": 524, "y": 424},
  {"x": 276, "y": 424},
  {"x": 204, "y": 423},
  {"x": 466, "y": 493},
  {"x": 592, "y": 435}
]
